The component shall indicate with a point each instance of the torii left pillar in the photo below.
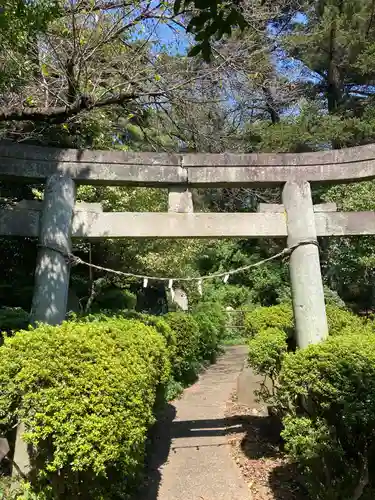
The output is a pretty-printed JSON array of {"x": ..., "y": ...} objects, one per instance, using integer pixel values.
[
  {"x": 52, "y": 272},
  {"x": 52, "y": 268}
]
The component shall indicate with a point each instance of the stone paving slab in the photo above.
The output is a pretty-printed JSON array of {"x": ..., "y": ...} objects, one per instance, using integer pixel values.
[{"x": 192, "y": 458}]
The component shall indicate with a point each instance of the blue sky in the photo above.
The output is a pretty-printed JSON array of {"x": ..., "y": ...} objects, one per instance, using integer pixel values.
[{"x": 176, "y": 42}]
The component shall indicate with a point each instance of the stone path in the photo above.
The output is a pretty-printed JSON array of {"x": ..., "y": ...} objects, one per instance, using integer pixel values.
[{"x": 191, "y": 458}]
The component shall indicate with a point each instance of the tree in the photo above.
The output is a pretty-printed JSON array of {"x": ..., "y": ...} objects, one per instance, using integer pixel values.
[
  {"x": 209, "y": 18},
  {"x": 79, "y": 61}
]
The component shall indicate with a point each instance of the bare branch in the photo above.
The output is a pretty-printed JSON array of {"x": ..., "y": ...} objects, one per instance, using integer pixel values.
[{"x": 62, "y": 113}]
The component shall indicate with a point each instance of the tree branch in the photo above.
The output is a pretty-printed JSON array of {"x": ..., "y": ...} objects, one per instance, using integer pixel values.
[
  {"x": 363, "y": 481},
  {"x": 105, "y": 6},
  {"x": 61, "y": 113}
]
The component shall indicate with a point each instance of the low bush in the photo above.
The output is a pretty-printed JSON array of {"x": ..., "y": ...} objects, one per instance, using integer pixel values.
[
  {"x": 185, "y": 362},
  {"x": 269, "y": 330},
  {"x": 216, "y": 314},
  {"x": 266, "y": 353},
  {"x": 327, "y": 393},
  {"x": 157, "y": 322},
  {"x": 85, "y": 392},
  {"x": 213, "y": 328},
  {"x": 114, "y": 299},
  {"x": 324, "y": 394},
  {"x": 342, "y": 321},
  {"x": 261, "y": 318},
  {"x": 192, "y": 339},
  {"x": 208, "y": 337}
]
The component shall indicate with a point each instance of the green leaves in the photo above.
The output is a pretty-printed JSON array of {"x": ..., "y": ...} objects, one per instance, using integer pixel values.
[
  {"x": 177, "y": 7},
  {"x": 266, "y": 351},
  {"x": 261, "y": 318},
  {"x": 20, "y": 20},
  {"x": 327, "y": 392},
  {"x": 203, "y": 48},
  {"x": 186, "y": 359},
  {"x": 85, "y": 392},
  {"x": 211, "y": 18},
  {"x": 324, "y": 394}
]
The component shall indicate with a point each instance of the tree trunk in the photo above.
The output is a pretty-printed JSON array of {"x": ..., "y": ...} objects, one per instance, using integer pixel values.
[{"x": 269, "y": 94}]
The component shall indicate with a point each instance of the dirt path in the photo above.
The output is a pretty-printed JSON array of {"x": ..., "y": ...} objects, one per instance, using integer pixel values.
[{"x": 191, "y": 458}]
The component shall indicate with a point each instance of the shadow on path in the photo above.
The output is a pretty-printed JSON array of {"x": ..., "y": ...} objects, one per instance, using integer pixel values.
[
  {"x": 263, "y": 447},
  {"x": 166, "y": 430},
  {"x": 188, "y": 451},
  {"x": 261, "y": 441}
]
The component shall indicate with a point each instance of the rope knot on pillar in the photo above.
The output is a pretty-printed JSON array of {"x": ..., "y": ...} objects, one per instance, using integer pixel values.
[{"x": 291, "y": 249}]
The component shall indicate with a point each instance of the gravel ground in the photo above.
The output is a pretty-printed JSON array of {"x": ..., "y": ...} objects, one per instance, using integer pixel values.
[{"x": 257, "y": 452}]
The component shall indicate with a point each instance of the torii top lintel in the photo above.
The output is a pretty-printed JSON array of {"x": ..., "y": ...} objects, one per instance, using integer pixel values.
[{"x": 33, "y": 163}]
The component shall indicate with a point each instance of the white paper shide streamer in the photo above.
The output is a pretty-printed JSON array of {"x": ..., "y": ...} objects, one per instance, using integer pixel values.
[
  {"x": 200, "y": 288},
  {"x": 145, "y": 282},
  {"x": 226, "y": 278}
]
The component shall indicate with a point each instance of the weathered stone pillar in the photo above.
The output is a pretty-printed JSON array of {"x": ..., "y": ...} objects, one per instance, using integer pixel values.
[
  {"x": 52, "y": 269},
  {"x": 180, "y": 200},
  {"x": 51, "y": 275},
  {"x": 306, "y": 279}
]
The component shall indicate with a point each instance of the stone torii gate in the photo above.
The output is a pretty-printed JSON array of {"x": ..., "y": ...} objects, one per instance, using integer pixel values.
[{"x": 58, "y": 218}]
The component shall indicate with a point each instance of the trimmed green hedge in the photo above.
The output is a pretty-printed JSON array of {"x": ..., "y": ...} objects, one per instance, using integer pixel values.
[
  {"x": 327, "y": 395},
  {"x": 185, "y": 362},
  {"x": 279, "y": 316},
  {"x": 266, "y": 353},
  {"x": 270, "y": 329},
  {"x": 211, "y": 321},
  {"x": 208, "y": 338},
  {"x": 216, "y": 315},
  {"x": 340, "y": 320},
  {"x": 160, "y": 325},
  {"x": 85, "y": 392},
  {"x": 324, "y": 395},
  {"x": 192, "y": 339}
]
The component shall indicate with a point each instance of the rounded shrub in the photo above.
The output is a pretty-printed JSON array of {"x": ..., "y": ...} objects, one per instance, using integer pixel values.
[
  {"x": 279, "y": 316},
  {"x": 163, "y": 328},
  {"x": 114, "y": 299},
  {"x": 85, "y": 392},
  {"x": 341, "y": 321},
  {"x": 212, "y": 322},
  {"x": 327, "y": 393},
  {"x": 157, "y": 322},
  {"x": 208, "y": 336},
  {"x": 266, "y": 353},
  {"x": 185, "y": 362},
  {"x": 217, "y": 316}
]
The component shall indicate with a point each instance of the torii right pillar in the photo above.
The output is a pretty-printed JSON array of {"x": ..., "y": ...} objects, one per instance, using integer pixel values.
[{"x": 305, "y": 274}]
